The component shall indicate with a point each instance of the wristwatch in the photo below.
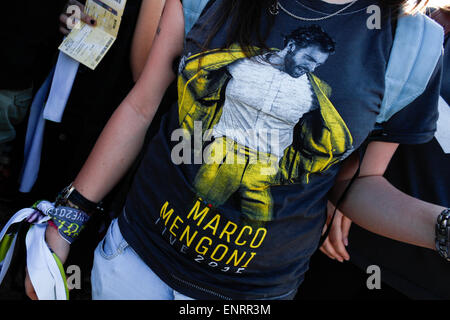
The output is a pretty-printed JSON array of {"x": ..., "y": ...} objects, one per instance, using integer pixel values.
[
  {"x": 69, "y": 196},
  {"x": 443, "y": 234}
]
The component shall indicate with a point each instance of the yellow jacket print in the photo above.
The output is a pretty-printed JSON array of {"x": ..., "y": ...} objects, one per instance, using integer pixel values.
[{"x": 321, "y": 138}]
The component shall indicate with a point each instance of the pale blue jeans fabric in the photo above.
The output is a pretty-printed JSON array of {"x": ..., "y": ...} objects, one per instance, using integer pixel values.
[{"x": 120, "y": 274}]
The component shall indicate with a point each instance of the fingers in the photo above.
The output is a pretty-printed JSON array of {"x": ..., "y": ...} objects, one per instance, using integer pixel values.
[
  {"x": 345, "y": 227},
  {"x": 64, "y": 25},
  {"x": 336, "y": 239},
  {"x": 335, "y": 244},
  {"x": 72, "y": 15},
  {"x": 29, "y": 289},
  {"x": 328, "y": 250}
]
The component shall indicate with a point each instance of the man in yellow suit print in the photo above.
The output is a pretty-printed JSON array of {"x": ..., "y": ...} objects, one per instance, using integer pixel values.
[{"x": 269, "y": 117}]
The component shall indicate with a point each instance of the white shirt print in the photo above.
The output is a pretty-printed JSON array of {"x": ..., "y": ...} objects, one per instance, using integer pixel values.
[{"x": 263, "y": 105}]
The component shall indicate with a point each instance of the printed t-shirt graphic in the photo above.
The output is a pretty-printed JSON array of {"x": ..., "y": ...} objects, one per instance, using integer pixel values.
[{"x": 262, "y": 114}]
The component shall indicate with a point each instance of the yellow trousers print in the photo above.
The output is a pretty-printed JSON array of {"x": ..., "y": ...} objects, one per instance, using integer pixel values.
[{"x": 230, "y": 167}]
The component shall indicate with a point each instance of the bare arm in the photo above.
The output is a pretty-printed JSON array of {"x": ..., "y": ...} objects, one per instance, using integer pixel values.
[
  {"x": 144, "y": 34},
  {"x": 374, "y": 204},
  {"x": 123, "y": 136}
]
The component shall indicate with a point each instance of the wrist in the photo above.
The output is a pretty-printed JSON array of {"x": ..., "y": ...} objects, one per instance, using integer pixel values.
[
  {"x": 67, "y": 221},
  {"x": 52, "y": 224},
  {"x": 70, "y": 197},
  {"x": 56, "y": 243}
]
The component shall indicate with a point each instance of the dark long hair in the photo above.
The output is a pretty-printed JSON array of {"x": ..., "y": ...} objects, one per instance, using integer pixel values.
[{"x": 246, "y": 17}]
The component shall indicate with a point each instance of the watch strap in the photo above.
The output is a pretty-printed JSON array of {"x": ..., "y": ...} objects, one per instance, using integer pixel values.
[{"x": 70, "y": 196}]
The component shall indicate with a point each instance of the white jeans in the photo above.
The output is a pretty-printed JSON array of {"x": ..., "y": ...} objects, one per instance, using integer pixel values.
[{"x": 120, "y": 274}]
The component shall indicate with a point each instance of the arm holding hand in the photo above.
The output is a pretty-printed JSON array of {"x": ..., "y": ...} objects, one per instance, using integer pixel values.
[
  {"x": 374, "y": 204},
  {"x": 122, "y": 138}
]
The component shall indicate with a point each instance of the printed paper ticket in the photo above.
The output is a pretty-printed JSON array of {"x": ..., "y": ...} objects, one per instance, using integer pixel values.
[{"x": 88, "y": 44}]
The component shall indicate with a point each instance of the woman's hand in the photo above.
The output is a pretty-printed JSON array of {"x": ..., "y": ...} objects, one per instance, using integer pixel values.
[
  {"x": 335, "y": 244},
  {"x": 59, "y": 246},
  {"x": 376, "y": 160},
  {"x": 73, "y": 13}
]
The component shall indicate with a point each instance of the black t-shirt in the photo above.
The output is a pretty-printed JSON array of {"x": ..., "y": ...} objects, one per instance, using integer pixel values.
[
  {"x": 422, "y": 171},
  {"x": 230, "y": 198}
]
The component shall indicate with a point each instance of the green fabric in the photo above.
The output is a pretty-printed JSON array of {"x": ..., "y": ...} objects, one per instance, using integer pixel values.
[
  {"x": 5, "y": 244},
  {"x": 63, "y": 273}
]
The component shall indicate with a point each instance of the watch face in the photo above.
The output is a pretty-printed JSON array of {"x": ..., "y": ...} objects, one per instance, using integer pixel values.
[{"x": 63, "y": 196}]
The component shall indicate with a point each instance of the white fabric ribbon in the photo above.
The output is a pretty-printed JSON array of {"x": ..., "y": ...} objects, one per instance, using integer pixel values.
[
  {"x": 49, "y": 103},
  {"x": 65, "y": 72},
  {"x": 45, "y": 271}
]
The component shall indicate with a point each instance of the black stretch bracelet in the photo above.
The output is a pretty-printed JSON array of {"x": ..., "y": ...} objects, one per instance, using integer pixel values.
[{"x": 443, "y": 234}]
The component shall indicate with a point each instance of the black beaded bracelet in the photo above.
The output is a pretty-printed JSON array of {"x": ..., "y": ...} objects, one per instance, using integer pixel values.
[
  {"x": 70, "y": 194},
  {"x": 443, "y": 234}
]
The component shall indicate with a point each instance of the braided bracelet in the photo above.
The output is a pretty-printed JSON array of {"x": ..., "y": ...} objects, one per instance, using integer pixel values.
[{"x": 443, "y": 234}]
